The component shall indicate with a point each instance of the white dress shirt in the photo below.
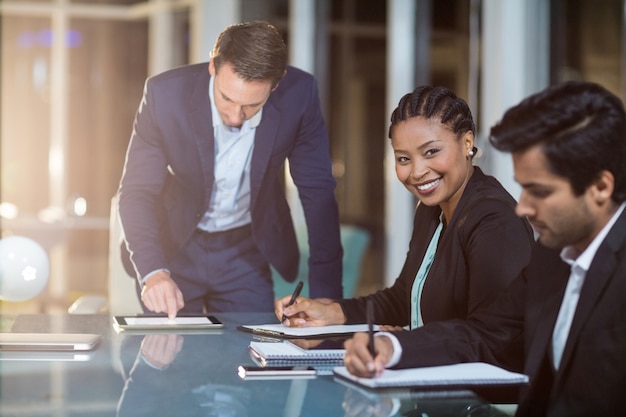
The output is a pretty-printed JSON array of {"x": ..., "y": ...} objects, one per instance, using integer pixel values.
[
  {"x": 579, "y": 265},
  {"x": 230, "y": 198}
]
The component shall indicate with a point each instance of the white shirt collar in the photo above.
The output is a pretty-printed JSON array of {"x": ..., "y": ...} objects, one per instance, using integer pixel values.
[{"x": 585, "y": 258}]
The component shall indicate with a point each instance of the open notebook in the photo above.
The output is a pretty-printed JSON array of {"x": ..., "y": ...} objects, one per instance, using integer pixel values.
[{"x": 462, "y": 374}]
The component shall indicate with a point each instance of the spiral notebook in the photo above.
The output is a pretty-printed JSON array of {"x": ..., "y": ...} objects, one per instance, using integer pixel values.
[
  {"x": 461, "y": 374},
  {"x": 286, "y": 352}
]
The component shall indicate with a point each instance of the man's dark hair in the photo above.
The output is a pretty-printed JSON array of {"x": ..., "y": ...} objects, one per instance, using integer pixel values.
[
  {"x": 255, "y": 50},
  {"x": 581, "y": 127},
  {"x": 435, "y": 102}
]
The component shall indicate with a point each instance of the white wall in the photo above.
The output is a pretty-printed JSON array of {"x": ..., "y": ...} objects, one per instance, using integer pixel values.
[{"x": 399, "y": 203}]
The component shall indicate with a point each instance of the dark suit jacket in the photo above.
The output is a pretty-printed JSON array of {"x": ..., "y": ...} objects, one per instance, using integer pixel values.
[
  {"x": 481, "y": 250},
  {"x": 168, "y": 176},
  {"x": 591, "y": 380}
]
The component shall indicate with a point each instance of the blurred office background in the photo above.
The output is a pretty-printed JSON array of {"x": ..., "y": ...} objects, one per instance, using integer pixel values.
[{"x": 72, "y": 74}]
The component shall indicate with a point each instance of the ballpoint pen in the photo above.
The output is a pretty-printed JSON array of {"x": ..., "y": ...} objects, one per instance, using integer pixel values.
[
  {"x": 295, "y": 295},
  {"x": 370, "y": 327}
]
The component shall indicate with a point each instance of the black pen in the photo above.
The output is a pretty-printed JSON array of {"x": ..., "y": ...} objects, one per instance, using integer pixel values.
[
  {"x": 370, "y": 327},
  {"x": 295, "y": 295}
]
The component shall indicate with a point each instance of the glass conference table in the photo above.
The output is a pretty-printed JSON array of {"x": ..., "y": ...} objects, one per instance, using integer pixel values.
[{"x": 192, "y": 374}]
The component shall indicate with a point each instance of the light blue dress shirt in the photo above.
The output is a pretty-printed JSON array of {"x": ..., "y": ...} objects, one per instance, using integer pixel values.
[
  {"x": 420, "y": 278},
  {"x": 230, "y": 199}
]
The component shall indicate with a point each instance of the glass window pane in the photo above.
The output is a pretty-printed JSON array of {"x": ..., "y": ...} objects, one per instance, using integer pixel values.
[
  {"x": 25, "y": 121},
  {"x": 586, "y": 42},
  {"x": 106, "y": 68},
  {"x": 111, "y": 2},
  {"x": 104, "y": 92}
]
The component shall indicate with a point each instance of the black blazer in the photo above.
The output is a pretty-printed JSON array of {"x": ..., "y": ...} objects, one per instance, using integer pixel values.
[
  {"x": 481, "y": 250},
  {"x": 591, "y": 380},
  {"x": 168, "y": 175}
]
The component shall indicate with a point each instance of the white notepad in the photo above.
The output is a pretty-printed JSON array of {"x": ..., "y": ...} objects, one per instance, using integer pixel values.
[
  {"x": 462, "y": 374},
  {"x": 287, "y": 351}
]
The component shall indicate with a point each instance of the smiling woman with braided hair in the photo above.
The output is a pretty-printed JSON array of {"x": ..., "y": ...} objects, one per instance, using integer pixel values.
[{"x": 467, "y": 241}]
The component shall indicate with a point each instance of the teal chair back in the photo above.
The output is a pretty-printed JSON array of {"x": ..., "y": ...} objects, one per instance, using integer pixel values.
[{"x": 354, "y": 240}]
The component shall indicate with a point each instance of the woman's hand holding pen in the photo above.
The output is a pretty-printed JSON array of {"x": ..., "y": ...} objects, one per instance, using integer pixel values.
[
  {"x": 358, "y": 359},
  {"x": 306, "y": 312}
]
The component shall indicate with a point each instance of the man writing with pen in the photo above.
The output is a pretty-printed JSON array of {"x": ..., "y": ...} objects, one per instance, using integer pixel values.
[{"x": 566, "y": 308}]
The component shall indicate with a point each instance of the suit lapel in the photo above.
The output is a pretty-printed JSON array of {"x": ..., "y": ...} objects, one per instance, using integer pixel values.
[
  {"x": 201, "y": 122},
  {"x": 545, "y": 320},
  {"x": 599, "y": 275},
  {"x": 264, "y": 139}
]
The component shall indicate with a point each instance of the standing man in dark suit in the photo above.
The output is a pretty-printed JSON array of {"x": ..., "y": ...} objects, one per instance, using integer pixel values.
[
  {"x": 202, "y": 200},
  {"x": 567, "y": 307}
]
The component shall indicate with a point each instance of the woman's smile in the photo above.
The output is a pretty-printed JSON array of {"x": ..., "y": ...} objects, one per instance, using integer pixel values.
[{"x": 428, "y": 186}]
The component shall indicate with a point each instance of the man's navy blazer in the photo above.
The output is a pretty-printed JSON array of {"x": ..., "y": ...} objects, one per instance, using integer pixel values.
[
  {"x": 168, "y": 175},
  {"x": 591, "y": 380}
]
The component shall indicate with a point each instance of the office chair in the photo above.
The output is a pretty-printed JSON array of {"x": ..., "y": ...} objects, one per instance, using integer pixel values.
[{"x": 355, "y": 241}]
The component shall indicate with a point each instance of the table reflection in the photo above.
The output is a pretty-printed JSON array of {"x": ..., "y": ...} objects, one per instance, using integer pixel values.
[
  {"x": 438, "y": 403},
  {"x": 194, "y": 374}
]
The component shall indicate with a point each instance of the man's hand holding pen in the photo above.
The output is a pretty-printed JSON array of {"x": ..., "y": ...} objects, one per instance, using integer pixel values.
[
  {"x": 366, "y": 355},
  {"x": 360, "y": 361}
]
